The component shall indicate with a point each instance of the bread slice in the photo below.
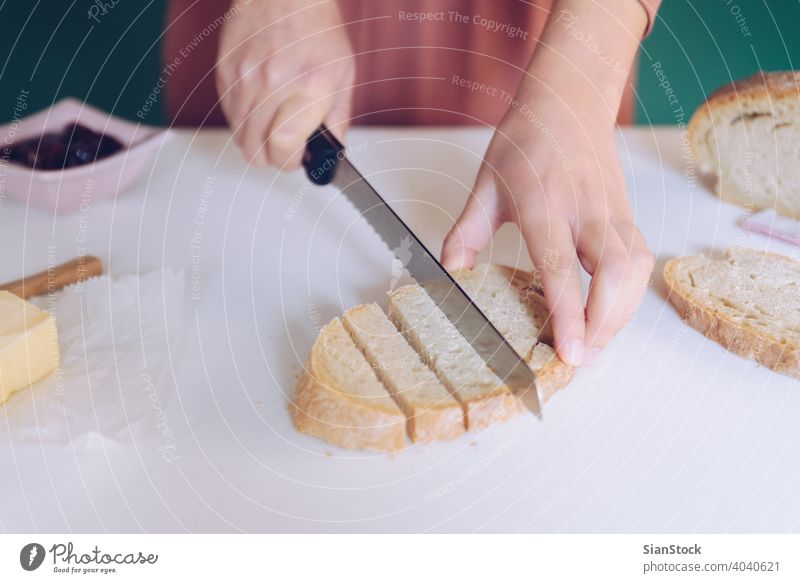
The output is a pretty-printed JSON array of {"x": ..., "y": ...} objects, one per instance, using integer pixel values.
[
  {"x": 748, "y": 135},
  {"x": 432, "y": 412},
  {"x": 749, "y": 302},
  {"x": 339, "y": 399}
]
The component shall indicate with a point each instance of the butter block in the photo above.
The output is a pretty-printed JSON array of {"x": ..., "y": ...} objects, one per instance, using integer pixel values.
[{"x": 28, "y": 344}]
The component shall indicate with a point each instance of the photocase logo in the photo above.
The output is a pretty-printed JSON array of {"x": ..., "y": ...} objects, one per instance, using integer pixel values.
[
  {"x": 402, "y": 255},
  {"x": 31, "y": 556}
]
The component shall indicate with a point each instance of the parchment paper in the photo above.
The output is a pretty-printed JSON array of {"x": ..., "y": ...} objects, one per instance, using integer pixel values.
[{"x": 118, "y": 340}]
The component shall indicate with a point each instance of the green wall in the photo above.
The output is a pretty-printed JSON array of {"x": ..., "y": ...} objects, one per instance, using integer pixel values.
[
  {"x": 53, "y": 48},
  {"x": 702, "y": 44}
]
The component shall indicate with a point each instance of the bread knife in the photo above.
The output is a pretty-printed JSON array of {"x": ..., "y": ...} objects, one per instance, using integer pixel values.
[{"x": 325, "y": 161}]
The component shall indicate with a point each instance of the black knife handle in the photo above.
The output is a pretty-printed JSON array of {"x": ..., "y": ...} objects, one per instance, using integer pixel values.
[{"x": 323, "y": 152}]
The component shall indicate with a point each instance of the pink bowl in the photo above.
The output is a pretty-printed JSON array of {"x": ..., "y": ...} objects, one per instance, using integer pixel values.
[{"x": 64, "y": 191}]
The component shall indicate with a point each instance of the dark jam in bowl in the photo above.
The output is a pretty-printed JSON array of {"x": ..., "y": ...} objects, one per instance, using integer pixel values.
[{"x": 75, "y": 145}]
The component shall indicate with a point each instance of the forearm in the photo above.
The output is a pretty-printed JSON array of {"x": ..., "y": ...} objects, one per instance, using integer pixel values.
[{"x": 586, "y": 52}]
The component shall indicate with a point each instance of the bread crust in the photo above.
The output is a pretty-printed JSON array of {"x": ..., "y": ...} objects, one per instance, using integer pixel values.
[
  {"x": 775, "y": 85},
  {"x": 435, "y": 423},
  {"x": 497, "y": 407},
  {"x": 734, "y": 336},
  {"x": 756, "y": 89}
]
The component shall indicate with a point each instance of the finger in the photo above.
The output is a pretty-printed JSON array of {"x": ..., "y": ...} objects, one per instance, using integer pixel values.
[
  {"x": 234, "y": 104},
  {"x": 592, "y": 238},
  {"x": 226, "y": 84},
  {"x": 295, "y": 120},
  {"x": 475, "y": 226},
  {"x": 243, "y": 88},
  {"x": 251, "y": 134},
  {"x": 249, "y": 106},
  {"x": 617, "y": 283},
  {"x": 604, "y": 256},
  {"x": 641, "y": 260},
  {"x": 552, "y": 251}
]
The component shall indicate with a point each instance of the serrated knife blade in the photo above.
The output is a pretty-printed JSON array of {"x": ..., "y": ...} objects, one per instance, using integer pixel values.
[{"x": 325, "y": 161}]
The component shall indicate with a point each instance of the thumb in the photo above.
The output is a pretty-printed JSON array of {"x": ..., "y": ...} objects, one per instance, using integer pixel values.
[{"x": 475, "y": 226}]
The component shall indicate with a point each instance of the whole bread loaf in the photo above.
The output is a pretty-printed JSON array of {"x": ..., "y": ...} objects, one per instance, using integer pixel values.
[
  {"x": 749, "y": 302},
  {"x": 370, "y": 378},
  {"x": 748, "y": 135}
]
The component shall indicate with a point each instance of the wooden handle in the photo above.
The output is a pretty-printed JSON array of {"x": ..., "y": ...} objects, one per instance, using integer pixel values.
[{"x": 76, "y": 271}]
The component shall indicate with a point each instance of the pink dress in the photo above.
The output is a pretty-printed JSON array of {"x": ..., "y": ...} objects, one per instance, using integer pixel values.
[{"x": 417, "y": 60}]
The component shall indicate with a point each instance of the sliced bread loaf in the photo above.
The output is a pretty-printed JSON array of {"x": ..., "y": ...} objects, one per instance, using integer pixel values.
[
  {"x": 749, "y": 302},
  {"x": 432, "y": 412},
  {"x": 748, "y": 135},
  {"x": 339, "y": 399},
  {"x": 437, "y": 379}
]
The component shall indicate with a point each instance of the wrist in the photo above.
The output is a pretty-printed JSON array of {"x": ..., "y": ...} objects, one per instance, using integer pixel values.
[{"x": 585, "y": 54}]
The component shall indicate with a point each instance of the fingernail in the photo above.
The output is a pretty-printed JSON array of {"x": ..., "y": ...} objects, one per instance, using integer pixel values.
[
  {"x": 575, "y": 353},
  {"x": 590, "y": 356},
  {"x": 452, "y": 261}
]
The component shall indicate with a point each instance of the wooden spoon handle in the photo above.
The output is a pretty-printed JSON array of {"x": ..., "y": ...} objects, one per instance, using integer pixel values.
[{"x": 75, "y": 271}]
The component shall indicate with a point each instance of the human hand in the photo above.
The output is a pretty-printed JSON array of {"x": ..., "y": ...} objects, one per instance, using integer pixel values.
[
  {"x": 552, "y": 169},
  {"x": 282, "y": 69}
]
